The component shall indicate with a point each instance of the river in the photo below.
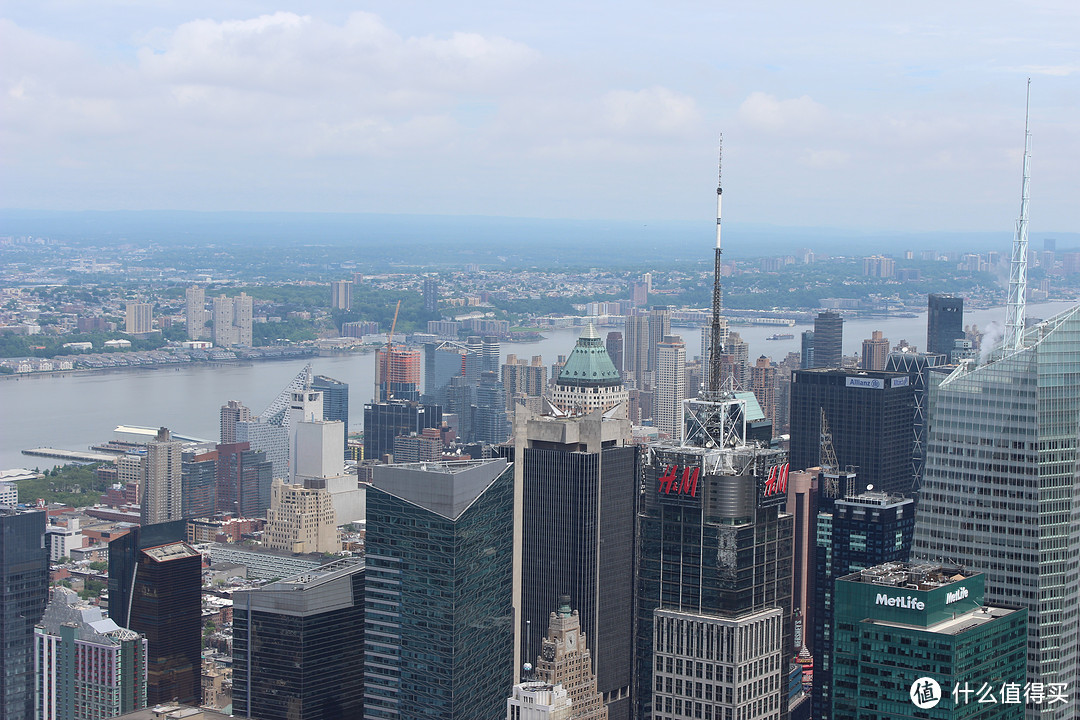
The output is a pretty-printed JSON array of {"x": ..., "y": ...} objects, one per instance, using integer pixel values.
[{"x": 77, "y": 409}]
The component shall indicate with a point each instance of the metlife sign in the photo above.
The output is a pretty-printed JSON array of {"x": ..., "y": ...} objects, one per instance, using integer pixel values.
[
  {"x": 907, "y": 602},
  {"x": 864, "y": 382}
]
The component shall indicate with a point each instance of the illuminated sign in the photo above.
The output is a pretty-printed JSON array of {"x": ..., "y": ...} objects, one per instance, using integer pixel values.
[
  {"x": 908, "y": 602},
  {"x": 862, "y": 382},
  {"x": 956, "y": 595},
  {"x": 671, "y": 484},
  {"x": 777, "y": 482},
  {"x": 900, "y": 382}
]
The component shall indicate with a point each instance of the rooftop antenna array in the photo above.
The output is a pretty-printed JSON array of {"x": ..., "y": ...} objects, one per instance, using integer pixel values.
[{"x": 1014, "y": 314}]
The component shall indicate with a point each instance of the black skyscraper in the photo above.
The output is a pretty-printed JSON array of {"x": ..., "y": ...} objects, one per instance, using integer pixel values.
[
  {"x": 828, "y": 340},
  {"x": 298, "y": 646},
  {"x": 862, "y": 531},
  {"x": 24, "y": 571},
  {"x": 944, "y": 323},
  {"x": 335, "y": 397},
  {"x": 871, "y": 415},
  {"x": 385, "y": 421},
  {"x": 155, "y": 582},
  {"x": 580, "y": 488}
]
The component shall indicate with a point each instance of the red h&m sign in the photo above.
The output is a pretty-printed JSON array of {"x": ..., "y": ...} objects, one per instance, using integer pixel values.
[
  {"x": 670, "y": 483},
  {"x": 777, "y": 482}
]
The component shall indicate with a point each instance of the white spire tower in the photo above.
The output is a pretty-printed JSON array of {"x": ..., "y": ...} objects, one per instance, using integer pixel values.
[{"x": 1014, "y": 317}]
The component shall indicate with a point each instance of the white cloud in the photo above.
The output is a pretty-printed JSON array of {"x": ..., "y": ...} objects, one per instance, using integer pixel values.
[{"x": 655, "y": 110}]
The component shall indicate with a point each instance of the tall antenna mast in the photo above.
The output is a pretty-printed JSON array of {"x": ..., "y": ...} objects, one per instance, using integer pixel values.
[
  {"x": 716, "y": 345},
  {"x": 1014, "y": 317}
]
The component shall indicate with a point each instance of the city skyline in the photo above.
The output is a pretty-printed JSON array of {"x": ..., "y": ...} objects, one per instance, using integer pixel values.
[{"x": 857, "y": 118}]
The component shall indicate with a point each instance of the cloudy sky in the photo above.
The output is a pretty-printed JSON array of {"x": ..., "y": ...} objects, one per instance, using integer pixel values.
[{"x": 857, "y": 115}]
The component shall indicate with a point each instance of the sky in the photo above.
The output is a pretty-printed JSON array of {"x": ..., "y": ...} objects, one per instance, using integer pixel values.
[{"x": 873, "y": 116}]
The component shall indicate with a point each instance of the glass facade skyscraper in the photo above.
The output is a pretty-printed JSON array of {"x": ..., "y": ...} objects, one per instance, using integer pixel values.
[
  {"x": 298, "y": 646},
  {"x": 24, "y": 571},
  {"x": 1001, "y": 489},
  {"x": 439, "y": 638}
]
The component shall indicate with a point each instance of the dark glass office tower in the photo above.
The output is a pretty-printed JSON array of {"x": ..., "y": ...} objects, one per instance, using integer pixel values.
[
  {"x": 614, "y": 345},
  {"x": 944, "y": 323},
  {"x": 871, "y": 415},
  {"x": 24, "y": 571},
  {"x": 439, "y": 638},
  {"x": 385, "y": 421},
  {"x": 715, "y": 581},
  {"x": 828, "y": 340},
  {"x": 198, "y": 473},
  {"x": 155, "y": 582},
  {"x": 335, "y": 397},
  {"x": 298, "y": 646},
  {"x": 806, "y": 358},
  {"x": 860, "y": 532},
  {"x": 579, "y": 478},
  {"x": 244, "y": 479}
]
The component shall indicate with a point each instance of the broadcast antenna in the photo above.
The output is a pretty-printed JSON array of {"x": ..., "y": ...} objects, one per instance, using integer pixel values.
[{"x": 1014, "y": 317}]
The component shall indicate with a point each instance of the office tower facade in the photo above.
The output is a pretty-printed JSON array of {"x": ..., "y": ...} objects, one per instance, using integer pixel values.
[
  {"x": 588, "y": 380},
  {"x": 999, "y": 491},
  {"x": 138, "y": 318},
  {"x": 418, "y": 448},
  {"x": 670, "y": 386},
  {"x": 925, "y": 369},
  {"x": 198, "y": 480},
  {"x": 298, "y": 646},
  {"x": 385, "y": 421},
  {"x": 490, "y": 423},
  {"x": 875, "y": 351},
  {"x": 431, "y": 295},
  {"x": 538, "y": 700},
  {"x": 828, "y": 340},
  {"x": 24, "y": 570},
  {"x": 88, "y": 667},
  {"x": 233, "y": 412},
  {"x": 614, "y": 345},
  {"x": 871, "y": 416},
  {"x": 335, "y": 395},
  {"x": 806, "y": 356},
  {"x": 857, "y": 532},
  {"x": 578, "y": 478},
  {"x": 439, "y": 583},
  {"x": 224, "y": 334},
  {"x": 155, "y": 582},
  {"x": 301, "y": 520},
  {"x": 714, "y": 583},
  {"x": 659, "y": 329},
  {"x": 443, "y": 361},
  {"x": 398, "y": 371},
  {"x": 243, "y": 480},
  {"x": 565, "y": 659},
  {"x": 764, "y": 383},
  {"x": 944, "y": 323},
  {"x": 802, "y": 507},
  {"x": 341, "y": 295},
  {"x": 898, "y": 624},
  {"x": 195, "y": 315},
  {"x": 636, "y": 351},
  {"x": 737, "y": 351},
  {"x": 162, "y": 483}
]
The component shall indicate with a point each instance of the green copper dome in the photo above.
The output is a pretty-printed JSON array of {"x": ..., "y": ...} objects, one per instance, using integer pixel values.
[{"x": 589, "y": 365}]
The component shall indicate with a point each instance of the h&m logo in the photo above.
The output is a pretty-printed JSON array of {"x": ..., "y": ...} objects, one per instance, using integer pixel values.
[
  {"x": 777, "y": 482},
  {"x": 670, "y": 484}
]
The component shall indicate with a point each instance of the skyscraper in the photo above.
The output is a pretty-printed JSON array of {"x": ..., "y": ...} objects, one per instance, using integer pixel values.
[
  {"x": 243, "y": 317},
  {"x": 871, "y": 416},
  {"x": 155, "y": 582},
  {"x": 162, "y": 482},
  {"x": 341, "y": 294},
  {"x": 431, "y": 295},
  {"x": 614, "y": 344},
  {"x": 439, "y": 598},
  {"x": 195, "y": 314},
  {"x": 385, "y": 421},
  {"x": 636, "y": 351},
  {"x": 24, "y": 571},
  {"x": 224, "y": 332},
  {"x": 806, "y": 357},
  {"x": 898, "y": 624},
  {"x": 857, "y": 532},
  {"x": 828, "y": 339},
  {"x": 565, "y": 659},
  {"x": 578, "y": 476},
  {"x": 670, "y": 385},
  {"x": 243, "y": 480},
  {"x": 298, "y": 646},
  {"x": 588, "y": 381},
  {"x": 232, "y": 412},
  {"x": 335, "y": 395},
  {"x": 270, "y": 439},
  {"x": 301, "y": 520},
  {"x": 198, "y": 474},
  {"x": 398, "y": 370},
  {"x": 764, "y": 383},
  {"x": 659, "y": 329},
  {"x": 88, "y": 667},
  {"x": 874, "y": 351},
  {"x": 138, "y": 318},
  {"x": 944, "y": 322},
  {"x": 999, "y": 491}
]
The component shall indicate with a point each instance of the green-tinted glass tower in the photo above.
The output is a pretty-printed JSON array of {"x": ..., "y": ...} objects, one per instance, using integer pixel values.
[
  {"x": 897, "y": 625},
  {"x": 438, "y": 627}
]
